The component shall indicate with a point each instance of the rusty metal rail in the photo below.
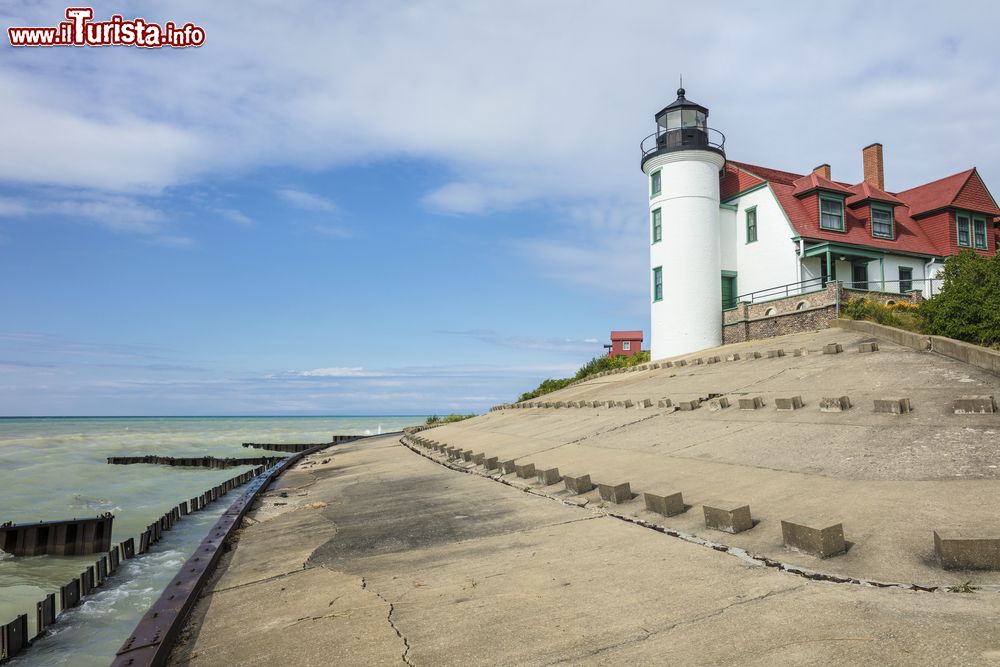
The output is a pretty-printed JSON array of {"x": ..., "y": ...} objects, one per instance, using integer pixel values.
[
  {"x": 301, "y": 447},
  {"x": 14, "y": 635},
  {"x": 195, "y": 462},
  {"x": 69, "y": 537},
  {"x": 153, "y": 638}
]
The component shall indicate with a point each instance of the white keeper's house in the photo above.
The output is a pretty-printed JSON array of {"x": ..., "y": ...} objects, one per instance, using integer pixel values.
[{"x": 723, "y": 232}]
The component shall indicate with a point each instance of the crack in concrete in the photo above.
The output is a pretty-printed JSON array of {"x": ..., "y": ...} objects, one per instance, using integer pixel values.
[
  {"x": 673, "y": 626},
  {"x": 305, "y": 568},
  {"x": 392, "y": 608}
]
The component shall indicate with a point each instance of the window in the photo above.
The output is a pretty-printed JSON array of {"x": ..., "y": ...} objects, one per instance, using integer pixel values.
[
  {"x": 657, "y": 226},
  {"x": 831, "y": 214},
  {"x": 882, "y": 222},
  {"x": 654, "y": 183},
  {"x": 905, "y": 279},
  {"x": 751, "y": 224},
  {"x": 979, "y": 233},
  {"x": 626, "y": 346},
  {"x": 964, "y": 231},
  {"x": 658, "y": 284}
]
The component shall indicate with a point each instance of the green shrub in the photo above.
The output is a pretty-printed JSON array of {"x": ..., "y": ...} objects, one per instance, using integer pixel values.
[
  {"x": 592, "y": 367},
  {"x": 968, "y": 307},
  {"x": 876, "y": 311},
  {"x": 448, "y": 419}
]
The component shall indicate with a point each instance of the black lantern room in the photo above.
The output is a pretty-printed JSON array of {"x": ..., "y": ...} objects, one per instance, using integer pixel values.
[{"x": 682, "y": 125}]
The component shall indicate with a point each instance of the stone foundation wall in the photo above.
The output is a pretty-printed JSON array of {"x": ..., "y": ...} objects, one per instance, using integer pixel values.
[
  {"x": 797, "y": 312},
  {"x": 798, "y": 321}
]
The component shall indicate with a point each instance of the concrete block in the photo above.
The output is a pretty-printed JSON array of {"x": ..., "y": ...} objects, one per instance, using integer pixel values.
[
  {"x": 655, "y": 366},
  {"x": 774, "y": 354},
  {"x": 892, "y": 406},
  {"x": 547, "y": 404},
  {"x": 967, "y": 550},
  {"x": 491, "y": 463},
  {"x": 618, "y": 404},
  {"x": 717, "y": 404},
  {"x": 667, "y": 505},
  {"x": 664, "y": 403},
  {"x": 479, "y": 459},
  {"x": 577, "y": 483},
  {"x": 752, "y": 355},
  {"x": 646, "y": 403},
  {"x": 697, "y": 361},
  {"x": 800, "y": 352},
  {"x": 615, "y": 493},
  {"x": 525, "y": 470},
  {"x": 713, "y": 360},
  {"x": 573, "y": 404},
  {"x": 833, "y": 348},
  {"x": 975, "y": 405},
  {"x": 629, "y": 404},
  {"x": 834, "y": 404},
  {"x": 868, "y": 347},
  {"x": 788, "y": 403},
  {"x": 560, "y": 404},
  {"x": 733, "y": 357},
  {"x": 549, "y": 476},
  {"x": 680, "y": 362},
  {"x": 508, "y": 467},
  {"x": 753, "y": 403},
  {"x": 816, "y": 538},
  {"x": 667, "y": 364},
  {"x": 689, "y": 405},
  {"x": 727, "y": 516}
]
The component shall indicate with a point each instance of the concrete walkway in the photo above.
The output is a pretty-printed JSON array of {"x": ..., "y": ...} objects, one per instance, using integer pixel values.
[{"x": 379, "y": 556}]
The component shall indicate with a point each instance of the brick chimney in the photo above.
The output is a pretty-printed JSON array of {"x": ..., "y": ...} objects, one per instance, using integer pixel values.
[
  {"x": 872, "y": 158},
  {"x": 823, "y": 170}
]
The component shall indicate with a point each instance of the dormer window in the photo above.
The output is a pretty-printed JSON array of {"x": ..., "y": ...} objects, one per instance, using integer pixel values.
[
  {"x": 831, "y": 213},
  {"x": 971, "y": 231},
  {"x": 882, "y": 222}
]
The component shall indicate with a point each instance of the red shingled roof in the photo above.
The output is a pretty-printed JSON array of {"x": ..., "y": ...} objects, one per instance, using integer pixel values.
[
  {"x": 814, "y": 181},
  {"x": 916, "y": 231},
  {"x": 936, "y": 194},
  {"x": 866, "y": 191},
  {"x": 626, "y": 335}
]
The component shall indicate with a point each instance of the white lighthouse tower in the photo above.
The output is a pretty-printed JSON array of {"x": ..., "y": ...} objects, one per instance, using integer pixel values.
[{"x": 682, "y": 160}]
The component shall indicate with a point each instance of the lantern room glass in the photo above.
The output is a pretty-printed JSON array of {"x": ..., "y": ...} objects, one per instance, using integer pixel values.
[{"x": 679, "y": 118}]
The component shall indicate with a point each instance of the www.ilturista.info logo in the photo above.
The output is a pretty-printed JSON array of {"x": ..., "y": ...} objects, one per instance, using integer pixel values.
[{"x": 80, "y": 30}]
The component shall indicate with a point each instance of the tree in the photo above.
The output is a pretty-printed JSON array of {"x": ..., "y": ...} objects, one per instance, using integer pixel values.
[{"x": 968, "y": 307}]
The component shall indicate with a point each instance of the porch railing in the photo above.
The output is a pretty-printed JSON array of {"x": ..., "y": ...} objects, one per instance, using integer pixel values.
[
  {"x": 781, "y": 291},
  {"x": 929, "y": 286}
]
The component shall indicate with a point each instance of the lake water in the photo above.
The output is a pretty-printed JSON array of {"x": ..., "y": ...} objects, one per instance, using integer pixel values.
[{"x": 55, "y": 468}]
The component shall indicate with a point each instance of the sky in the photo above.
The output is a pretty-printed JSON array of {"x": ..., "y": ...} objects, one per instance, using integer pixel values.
[{"x": 411, "y": 207}]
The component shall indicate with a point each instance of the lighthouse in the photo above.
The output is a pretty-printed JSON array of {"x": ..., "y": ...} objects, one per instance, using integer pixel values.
[{"x": 682, "y": 160}]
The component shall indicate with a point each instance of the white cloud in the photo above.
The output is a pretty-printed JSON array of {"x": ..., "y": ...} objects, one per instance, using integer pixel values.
[
  {"x": 335, "y": 372},
  {"x": 113, "y": 212},
  {"x": 332, "y": 231},
  {"x": 233, "y": 215},
  {"x": 523, "y": 100},
  {"x": 307, "y": 200}
]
